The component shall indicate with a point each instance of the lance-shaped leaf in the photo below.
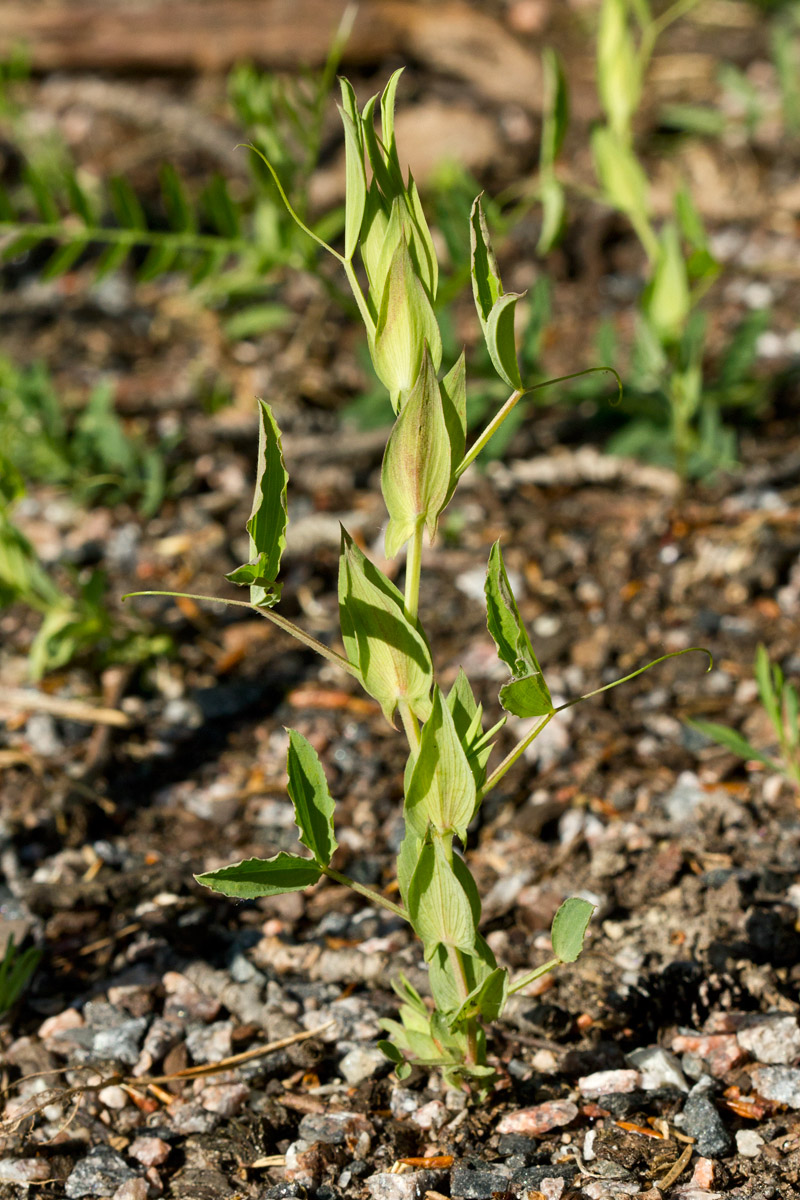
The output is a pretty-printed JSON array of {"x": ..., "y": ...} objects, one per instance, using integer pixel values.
[
  {"x": 621, "y": 177},
  {"x": 256, "y": 877},
  {"x": 619, "y": 77},
  {"x": 407, "y": 860},
  {"x": 313, "y": 803},
  {"x": 495, "y": 307},
  {"x": 438, "y": 906},
  {"x": 268, "y": 517},
  {"x": 667, "y": 301},
  {"x": 468, "y": 721},
  {"x": 355, "y": 175},
  {"x": 373, "y": 239},
  {"x": 527, "y": 695},
  {"x": 488, "y": 999},
  {"x": 405, "y": 323},
  {"x": 569, "y": 927},
  {"x": 389, "y": 649},
  {"x": 441, "y": 791},
  {"x": 417, "y": 465},
  {"x": 421, "y": 245}
]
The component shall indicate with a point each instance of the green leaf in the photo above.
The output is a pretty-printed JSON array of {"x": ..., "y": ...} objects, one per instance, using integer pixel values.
[
  {"x": 406, "y": 322},
  {"x": 556, "y": 107},
  {"x": 667, "y": 301},
  {"x": 417, "y": 465},
  {"x": 387, "y": 647},
  {"x": 438, "y": 905},
  {"x": 268, "y": 516},
  {"x": 421, "y": 246},
  {"x": 622, "y": 179},
  {"x": 407, "y": 859},
  {"x": 313, "y": 803},
  {"x": 551, "y": 195},
  {"x": 441, "y": 791},
  {"x": 619, "y": 79},
  {"x": 454, "y": 402},
  {"x": 734, "y": 742},
  {"x": 41, "y": 193},
  {"x": 495, "y": 308},
  {"x": 64, "y": 258},
  {"x": 766, "y": 686},
  {"x": 569, "y": 928},
  {"x": 488, "y": 999},
  {"x": 527, "y": 695},
  {"x": 374, "y": 230},
  {"x": 356, "y": 178},
  {"x": 387, "y": 117},
  {"x": 256, "y": 877},
  {"x": 477, "y": 964},
  {"x": 125, "y": 203},
  {"x": 180, "y": 213}
]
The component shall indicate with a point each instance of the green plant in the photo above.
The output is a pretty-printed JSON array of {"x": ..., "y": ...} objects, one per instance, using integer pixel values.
[
  {"x": 16, "y": 970},
  {"x": 385, "y": 645},
  {"x": 227, "y": 242},
  {"x": 782, "y": 705}
]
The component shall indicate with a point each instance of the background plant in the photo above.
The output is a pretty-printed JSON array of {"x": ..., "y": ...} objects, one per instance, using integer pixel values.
[
  {"x": 781, "y": 703},
  {"x": 17, "y": 967},
  {"x": 385, "y": 645}
]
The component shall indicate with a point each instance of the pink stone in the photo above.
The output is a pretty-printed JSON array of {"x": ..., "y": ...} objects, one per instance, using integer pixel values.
[
  {"x": 431, "y": 1115},
  {"x": 70, "y": 1018},
  {"x": 602, "y": 1083},
  {"x": 720, "y": 1051},
  {"x": 703, "y": 1174},
  {"x": 552, "y": 1189},
  {"x": 540, "y": 1118},
  {"x": 224, "y": 1098},
  {"x": 149, "y": 1151},
  {"x": 132, "y": 1189},
  {"x": 184, "y": 999}
]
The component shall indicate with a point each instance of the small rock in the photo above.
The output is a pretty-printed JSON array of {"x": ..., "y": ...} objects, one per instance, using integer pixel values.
[
  {"x": 100, "y": 1173},
  {"x": 224, "y": 1098},
  {"x": 335, "y": 1129},
  {"x": 187, "y": 1116},
  {"x": 403, "y": 1102},
  {"x": 360, "y": 1063},
  {"x": 24, "y": 1170},
  {"x": 721, "y": 1052},
  {"x": 432, "y": 1115},
  {"x": 598, "y": 1189},
  {"x": 516, "y": 1144},
  {"x": 552, "y": 1189},
  {"x": 658, "y": 1068},
  {"x": 781, "y": 1084},
  {"x": 703, "y": 1173},
  {"x": 149, "y": 1151},
  {"x": 531, "y": 1179},
  {"x": 210, "y": 1043},
  {"x": 70, "y": 1018},
  {"x": 133, "y": 1189},
  {"x": 479, "y": 1181},
  {"x": 702, "y": 1122},
  {"x": 540, "y": 1118},
  {"x": 113, "y": 1097},
  {"x": 749, "y": 1143},
  {"x": 605, "y": 1083},
  {"x": 412, "y": 1185},
  {"x": 185, "y": 1000},
  {"x": 771, "y": 1039}
]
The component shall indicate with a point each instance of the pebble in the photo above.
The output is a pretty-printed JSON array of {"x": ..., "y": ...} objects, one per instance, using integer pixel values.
[
  {"x": 702, "y": 1122},
  {"x": 605, "y": 1083},
  {"x": 226, "y": 1099},
  {"x": 100, "y": 1173},
  {"x": 540, "y": 1118},
  {"x": 432, "y": 1115},
  {"x": 360, "y": 1063},
  {"x": 479, "y": 1181},
  {"x": 113, "y": 1097},
  {"x": 403, "y": 1102},
  {"x": 531, "y": 1179},
  {"x": 149, "y": 1151},
  {"x": 185, "y": 1000},
  {"x": 658, "y": 1068},
  {"x": 781, "y": 1084},
  {"x": 703, "y": 1173},
  {"x": 70, "y": 1018},
  {"x": 772, "y": 1039},
  {"x": 749, "y": 1143},
  {"x": 210, "y": 1043},
  {"x": 335, "y": 1129},
  {"x": 187, "y": 1116},
  {"x": 599, "y": 1190},
  {"x": 132, "y": 1189},
  {"x": 720, "y": 1052},
  {"x": 24, "y": 1170},
  {"x": 411, "y": 1185}
]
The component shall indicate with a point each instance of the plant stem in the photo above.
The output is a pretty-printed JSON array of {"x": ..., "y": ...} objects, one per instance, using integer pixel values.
[
  {"x": 533, "y": 975},
  {"x": 410, "y": 725},
  {"x": 414, "y": 570},
  {"x": 457, "y": 966},
  {"x": 358, "y": 295},
  {"x": 509, "y": 760},
  {"x": 363, "y": 890},
  {"x": 287, "y": 626},
  {"x": 488, "y": 433}
]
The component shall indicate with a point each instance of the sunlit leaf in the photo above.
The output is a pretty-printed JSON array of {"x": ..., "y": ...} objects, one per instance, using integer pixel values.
[
  {"x": 527, "y": 695},
  {"x": 268, "y": 516},
  {"x": 313, "y": 803},
  {"x": 256, "y": 877},
  {"x": 441, "y": 791},
  {"x": 569, "y": 927}
]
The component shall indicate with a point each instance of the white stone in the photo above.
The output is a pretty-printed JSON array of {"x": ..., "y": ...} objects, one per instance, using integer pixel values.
[
  {"x": 658, "y": 1067},
  {"x": 749, "y": 1143}
]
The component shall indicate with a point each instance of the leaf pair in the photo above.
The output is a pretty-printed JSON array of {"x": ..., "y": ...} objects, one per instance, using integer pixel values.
[
  {"x": 527, "y": 694},
  {"x": 495, "y": 307},
  {"x": 313, "y": 813},
  {"x": 425, "y": 447}
]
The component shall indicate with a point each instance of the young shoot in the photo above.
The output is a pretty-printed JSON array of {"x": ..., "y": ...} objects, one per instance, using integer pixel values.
[{"x": 385, "y": 645}]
